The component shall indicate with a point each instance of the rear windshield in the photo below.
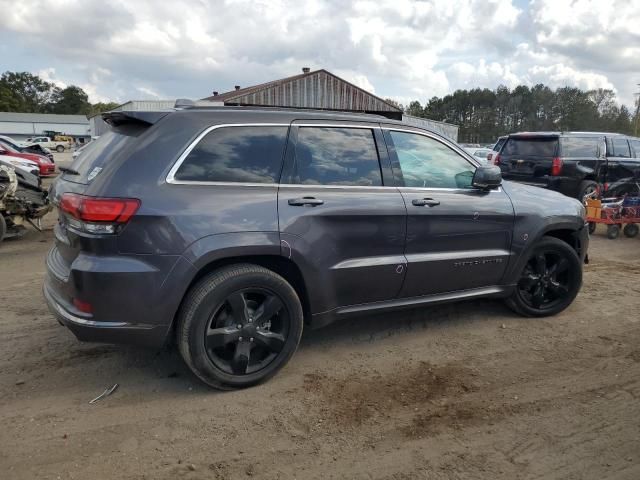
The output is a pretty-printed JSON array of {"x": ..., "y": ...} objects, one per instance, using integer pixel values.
[
  {"x": 98, "y": 153},
  {"x": 531, "y": 146},
  {"x": 580, "y": 146}
]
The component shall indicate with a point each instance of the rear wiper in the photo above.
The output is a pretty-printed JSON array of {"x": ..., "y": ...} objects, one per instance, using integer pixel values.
[{"x": 69, "y": 171}]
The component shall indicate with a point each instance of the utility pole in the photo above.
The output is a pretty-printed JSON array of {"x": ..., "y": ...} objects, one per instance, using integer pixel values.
[{"x": 637, "y": 119}]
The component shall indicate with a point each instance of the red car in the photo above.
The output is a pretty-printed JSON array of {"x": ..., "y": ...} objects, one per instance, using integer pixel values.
[{"x": 46, "y": 166}]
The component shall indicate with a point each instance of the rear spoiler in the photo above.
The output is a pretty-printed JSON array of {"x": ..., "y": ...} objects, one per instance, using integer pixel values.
[{"x": 119, "y": 118}]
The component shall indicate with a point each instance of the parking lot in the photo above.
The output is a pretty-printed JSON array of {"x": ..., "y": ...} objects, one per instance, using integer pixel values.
[{"x": 460, "y": 391}]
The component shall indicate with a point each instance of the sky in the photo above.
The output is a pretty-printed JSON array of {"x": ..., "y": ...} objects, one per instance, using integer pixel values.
[{"x": 120, "y": 50}]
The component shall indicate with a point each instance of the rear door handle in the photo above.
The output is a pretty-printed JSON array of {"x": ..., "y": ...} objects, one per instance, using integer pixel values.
[
  {"x": 421, "y": 202},
  {"x": 298, "y": 202}
]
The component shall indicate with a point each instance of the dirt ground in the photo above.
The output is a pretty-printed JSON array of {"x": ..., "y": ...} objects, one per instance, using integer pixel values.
[{"x": 461, "y": 391}]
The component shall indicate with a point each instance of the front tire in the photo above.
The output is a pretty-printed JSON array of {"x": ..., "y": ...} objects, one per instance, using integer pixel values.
[
  {"x": 550, "y": 280},
  {"x": 631, "y": 230},
  {"x": 238, "y": 326},
  {"x": 59, "y": 149}
]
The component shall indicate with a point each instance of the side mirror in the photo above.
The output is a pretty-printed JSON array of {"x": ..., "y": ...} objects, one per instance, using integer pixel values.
[{"x": 487, "y": 177}]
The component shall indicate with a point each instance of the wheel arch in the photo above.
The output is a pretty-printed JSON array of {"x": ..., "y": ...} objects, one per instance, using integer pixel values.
[{"x": 283, "y": 266}]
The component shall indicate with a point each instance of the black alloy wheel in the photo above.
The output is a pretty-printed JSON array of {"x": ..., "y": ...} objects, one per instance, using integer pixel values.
[
  {"x": 545, "y": 280},
  {"x": 239, "y": 325},
  {"x": 550, "y": 279},
  {"x": 247, "y": 331}
]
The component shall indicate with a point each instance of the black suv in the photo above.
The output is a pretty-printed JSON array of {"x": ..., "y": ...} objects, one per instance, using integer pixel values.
[
  {"x": 227, "y": 229},
  {"x": 574, "y": 163}
]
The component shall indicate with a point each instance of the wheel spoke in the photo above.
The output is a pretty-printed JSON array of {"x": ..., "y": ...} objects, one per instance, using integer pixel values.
[
  {"x": 270, "y": 307},
  {"x": 559, "y": 267},
  {"x": 558, "y": 289},
  {"x": 271, "y": 340},
  {"x": 528, "y": 281},
  {"x": 541, "y": 264},
  {"x": 240, "y": 360},
  {"x": 537, "y": 299},
  {"x": 238, "y": 304},
  {"x": 219, "y": 337}
]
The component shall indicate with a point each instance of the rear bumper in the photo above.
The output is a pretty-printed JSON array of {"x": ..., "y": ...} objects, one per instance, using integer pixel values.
[
  {"x": 86, "y": 329},
  {"x": 133, "y": 298}
]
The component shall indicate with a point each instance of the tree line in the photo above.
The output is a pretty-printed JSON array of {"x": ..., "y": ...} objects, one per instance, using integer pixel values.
[
  {"x": 28, "y": 93},
  {"x": 484, "y": 114}
]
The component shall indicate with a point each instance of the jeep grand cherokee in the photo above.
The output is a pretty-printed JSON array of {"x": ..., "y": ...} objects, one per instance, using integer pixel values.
[{"x": 226, "y": 230}]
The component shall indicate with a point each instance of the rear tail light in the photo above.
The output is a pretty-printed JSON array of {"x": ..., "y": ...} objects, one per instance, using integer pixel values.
[
  {"x": 98, "y": 215},
  {"x": 556, "y": 167},
  {"x": 496, "y": 159},
  {"x": 489, "y": 156}
]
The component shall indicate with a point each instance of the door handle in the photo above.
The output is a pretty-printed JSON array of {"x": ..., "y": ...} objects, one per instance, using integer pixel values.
[
  {"x": 298, "y": 202},
  {"x": 421, "y": 202}
]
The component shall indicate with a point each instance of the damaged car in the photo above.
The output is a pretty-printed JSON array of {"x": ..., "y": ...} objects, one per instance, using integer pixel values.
[{"x": 22, "y": 200}]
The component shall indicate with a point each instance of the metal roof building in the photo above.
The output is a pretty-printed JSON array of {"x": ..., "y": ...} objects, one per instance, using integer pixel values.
[
  {"x": 318, "y": 90},
  {"x": 23, "y": 125},
  {"x": 322, "y": 90}
]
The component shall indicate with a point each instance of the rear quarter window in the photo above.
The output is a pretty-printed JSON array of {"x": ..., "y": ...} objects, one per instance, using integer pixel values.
[
  {"x": 236, "y": 154},
  {"x": 117, "y": 141},
  {"x": 533, "y": 147},
  {"x": 580, "y": 146}
]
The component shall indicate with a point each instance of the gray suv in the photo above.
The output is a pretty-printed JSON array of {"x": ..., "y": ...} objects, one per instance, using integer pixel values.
[{"x": 226, "y": 230}]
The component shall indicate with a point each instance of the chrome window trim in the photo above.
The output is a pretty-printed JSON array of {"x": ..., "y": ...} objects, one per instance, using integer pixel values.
[
  {"x": 171, "y": 175},
  {"x": 170, "y": 179}
]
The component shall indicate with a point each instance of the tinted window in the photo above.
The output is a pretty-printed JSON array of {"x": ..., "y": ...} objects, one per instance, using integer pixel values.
[
  {"x": 580, "y": 146},
  {"x": 336, "y": 156},
  {"x": 635, "y": 145},
  {"x": 620, "y": 147},
  {"x": 499, "y": 144},
  {"x": 427, "y": 163},
  {"x": 236, "y": 154},
  {"x": 540, "y": 147},
  {"x": 115, "y": 143}
]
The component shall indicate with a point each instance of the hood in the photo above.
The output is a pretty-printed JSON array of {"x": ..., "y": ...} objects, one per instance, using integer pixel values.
[{"x": 546, "y": 203}]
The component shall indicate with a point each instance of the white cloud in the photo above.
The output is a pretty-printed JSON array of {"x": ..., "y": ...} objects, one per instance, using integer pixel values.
[{"x": 397, "y": 48}]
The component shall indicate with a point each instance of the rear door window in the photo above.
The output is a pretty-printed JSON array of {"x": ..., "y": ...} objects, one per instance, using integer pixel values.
[
  {"x": 635, "y": 147},
  {"x": 620, "y": 148},
  {"x": 336, "y": 156},
  {"x": 531, "y": 147},
  {"x": 580, "y": 146},
  {"x": 236, "y": 154}
]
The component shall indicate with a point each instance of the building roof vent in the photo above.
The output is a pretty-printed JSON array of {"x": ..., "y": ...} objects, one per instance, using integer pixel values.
[
  {"x": 306, "y": 69},
  {"x": 215, "y": 94},
  {"x": 237, "y": 87}
]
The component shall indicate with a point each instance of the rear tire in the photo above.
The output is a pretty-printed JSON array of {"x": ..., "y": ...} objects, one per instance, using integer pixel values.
[
  {"x": 592, "y": 227},
  {"x": 613, "y": 231},
  {"x": 630, "y": 230},
  {"x": 586, "y": 188},
  {"x": 550, "y": 280},
  {"x": 238, "y": 326}
]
